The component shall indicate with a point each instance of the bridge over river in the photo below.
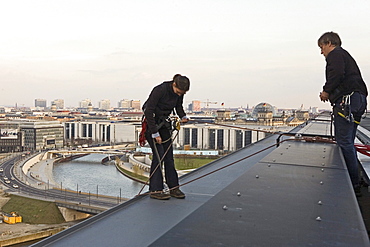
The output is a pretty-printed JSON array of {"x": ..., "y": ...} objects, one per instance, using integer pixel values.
[{"x": 33, "y": 176}]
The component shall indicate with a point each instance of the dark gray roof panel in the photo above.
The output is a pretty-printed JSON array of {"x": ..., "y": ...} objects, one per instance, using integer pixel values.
[
  {"x": 277, "y": 205},
  {"x": 293, "y": 152},
  {"x": 142, "y": 220},
  {"x": 279, "y": 197}
]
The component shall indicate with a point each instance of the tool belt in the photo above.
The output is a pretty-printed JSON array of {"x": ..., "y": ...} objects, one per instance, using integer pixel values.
[
  {"x": 171, "y": 123},
  {"x": 343, "y": 109},
  {"x": 163, "y": 121}
]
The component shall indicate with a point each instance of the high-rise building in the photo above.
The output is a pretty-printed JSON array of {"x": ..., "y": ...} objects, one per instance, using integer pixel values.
[
  {"x": 125, "y": 103},
  {"x": 59, "y": 103},
  {"x": 129, "y": 104},
  {"x": 104, "y": 104},
  {"x": 40, "y": 102},
  {"x": 136, "y": 105},
  {"x": 20, "y": 135},
  {"x": 85, "y": 103},
  {"x": 195, "y": 106}
]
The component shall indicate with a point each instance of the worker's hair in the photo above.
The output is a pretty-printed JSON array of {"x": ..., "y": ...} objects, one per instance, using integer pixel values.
[
  {"x": 329, "y": 37},
  {"x": 181, "y": 82}
]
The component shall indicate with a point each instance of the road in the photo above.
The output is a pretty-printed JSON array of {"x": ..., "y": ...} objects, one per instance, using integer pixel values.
[{"x": 13, "y": 184}]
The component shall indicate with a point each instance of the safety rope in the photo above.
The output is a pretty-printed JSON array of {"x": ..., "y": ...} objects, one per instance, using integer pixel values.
[
  {"x": 307, "y": 138},
  {"x": 301, "y": 138},
  {"x": 160, "y": 160},
  {"x": 363, "y": 149}
]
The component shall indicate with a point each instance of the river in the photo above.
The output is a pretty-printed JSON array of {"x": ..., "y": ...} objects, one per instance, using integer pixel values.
[{"x": 87, "y": 174}]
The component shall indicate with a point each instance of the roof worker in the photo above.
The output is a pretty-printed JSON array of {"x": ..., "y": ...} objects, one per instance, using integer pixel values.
[
  {"x": 347, "y": 92},
  {"x": 163, "y": 100}
]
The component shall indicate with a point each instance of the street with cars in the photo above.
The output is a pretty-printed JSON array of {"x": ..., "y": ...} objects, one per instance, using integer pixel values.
[{"x": 12, "y": 183}]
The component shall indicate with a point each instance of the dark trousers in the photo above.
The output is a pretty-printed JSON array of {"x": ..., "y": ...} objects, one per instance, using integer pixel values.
[
  {"x": 345, "y": 134},
  {"x": 156, "y": 179}
]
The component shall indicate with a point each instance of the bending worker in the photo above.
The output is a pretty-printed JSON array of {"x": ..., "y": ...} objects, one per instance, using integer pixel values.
[
  {"x": 346, "y": 91},
  {"x": 162, "y": 101}
]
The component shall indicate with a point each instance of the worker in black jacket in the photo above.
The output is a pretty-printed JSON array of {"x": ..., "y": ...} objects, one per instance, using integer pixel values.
[
  {"x": 347, "y": 92},
  {"x": 164, "y": 99}
]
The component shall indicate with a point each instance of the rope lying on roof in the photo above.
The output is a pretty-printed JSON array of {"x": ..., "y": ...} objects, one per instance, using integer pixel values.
[{"x": 297, "y": 138}]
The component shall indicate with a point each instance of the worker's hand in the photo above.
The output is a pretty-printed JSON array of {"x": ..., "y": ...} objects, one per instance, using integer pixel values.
[
  {"x": 324, "y": 96},
  {"x": 158, "y": 140}
]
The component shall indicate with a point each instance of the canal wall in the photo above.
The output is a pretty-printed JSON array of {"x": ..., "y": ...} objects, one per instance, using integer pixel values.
[
  {"x": 29, "y": 163},
  {"x": 142, "y": 162}
]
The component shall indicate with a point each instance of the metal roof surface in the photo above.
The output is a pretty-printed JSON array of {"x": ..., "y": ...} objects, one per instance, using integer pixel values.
[{"x": 298, "y": 194}]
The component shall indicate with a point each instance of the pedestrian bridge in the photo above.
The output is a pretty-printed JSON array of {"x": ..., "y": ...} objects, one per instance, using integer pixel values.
[
  {"x": 86, "y": 151},
  {"x": 111, "y": 154},
  {"x": 81, "y": 207}
]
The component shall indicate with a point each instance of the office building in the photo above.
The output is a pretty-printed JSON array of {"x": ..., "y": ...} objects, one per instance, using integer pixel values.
[
  {"x": 104, "y": 104},
  {"x": 195, "y": 106},
  {"x": 136, "y": 105},
  {"x": 129, "y": 104},
  {"x": 204, "y": 137},
  {"x": 40, "y": 103},
  {"x": 85, "y": 103},
  {"x": 100, "y": 132},
  {"x": 59, "y": 103},
  {"x": 32, "y": 135}
]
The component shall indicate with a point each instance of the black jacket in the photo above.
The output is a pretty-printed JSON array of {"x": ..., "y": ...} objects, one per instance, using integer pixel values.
[
  {"x": 342, "y": 75},
  {"x": 161, "y": 102}
]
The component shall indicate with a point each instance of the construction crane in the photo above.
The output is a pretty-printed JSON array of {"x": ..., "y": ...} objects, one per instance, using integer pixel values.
[{"x": 208, "y": 103}]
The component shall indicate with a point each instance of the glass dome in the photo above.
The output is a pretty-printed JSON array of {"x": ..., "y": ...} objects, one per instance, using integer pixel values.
[{"x": 263, "y": 107}]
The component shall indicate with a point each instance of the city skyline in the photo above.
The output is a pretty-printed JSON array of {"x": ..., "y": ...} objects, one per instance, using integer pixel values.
[
  {"x": 125, "y": 104},
  {"x": 234, "y": 52}
]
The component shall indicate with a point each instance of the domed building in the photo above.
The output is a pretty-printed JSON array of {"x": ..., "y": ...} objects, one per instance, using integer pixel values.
[
  {"x": 263, "y": 108},
  {"x": 265, "y": 114}
]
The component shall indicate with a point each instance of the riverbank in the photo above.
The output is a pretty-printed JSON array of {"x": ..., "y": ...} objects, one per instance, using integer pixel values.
[{"x": 42, "y": 171}]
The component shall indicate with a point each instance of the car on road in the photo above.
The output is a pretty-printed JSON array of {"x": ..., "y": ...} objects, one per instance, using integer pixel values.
[
  {"x": 1, "y": 169},
  {"x": 7, "y": 181},
  {"x": 15, "y": 186}
]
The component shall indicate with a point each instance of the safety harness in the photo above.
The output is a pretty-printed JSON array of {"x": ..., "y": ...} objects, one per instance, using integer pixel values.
[
  {"x": 344, "y": 109},
  {"x": 175, "y": 126},
  {"x": 171, "y": 122}
]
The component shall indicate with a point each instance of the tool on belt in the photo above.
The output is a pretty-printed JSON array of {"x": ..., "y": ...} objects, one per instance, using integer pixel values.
[
  {"x": 344, "y": 108},
  {"x": 172, "y": 123}
]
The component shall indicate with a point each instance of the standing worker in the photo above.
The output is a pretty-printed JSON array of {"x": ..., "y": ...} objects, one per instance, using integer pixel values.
[
  {"x": 163, "y": 100},
  {"x": 346, "y": 91}
]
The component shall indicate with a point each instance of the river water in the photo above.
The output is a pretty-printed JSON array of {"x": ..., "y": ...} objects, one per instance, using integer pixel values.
[{"x": 87, "y": 174}]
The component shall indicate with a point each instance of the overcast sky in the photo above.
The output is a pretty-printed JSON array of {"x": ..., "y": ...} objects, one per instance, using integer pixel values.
[{"x": 240, "y": 52}]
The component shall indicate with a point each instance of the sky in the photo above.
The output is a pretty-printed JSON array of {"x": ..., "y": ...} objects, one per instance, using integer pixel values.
[{"x": 236, "y": 52}]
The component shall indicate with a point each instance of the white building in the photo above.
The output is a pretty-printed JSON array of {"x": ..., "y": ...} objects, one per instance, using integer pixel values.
[
  {"x": 104, "y": 104},
  {"x": 193, "y": 136},
  {"x": 213, "y": 137},
  {"x": 59, "y": 103},
  {"x": 101, "y": 132},
  {"x": 129, "y": 104},
  {"x": 40, "y": 103},
  {"x": 85, "y": 103},
  {"x": 125, "y": 103}
]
